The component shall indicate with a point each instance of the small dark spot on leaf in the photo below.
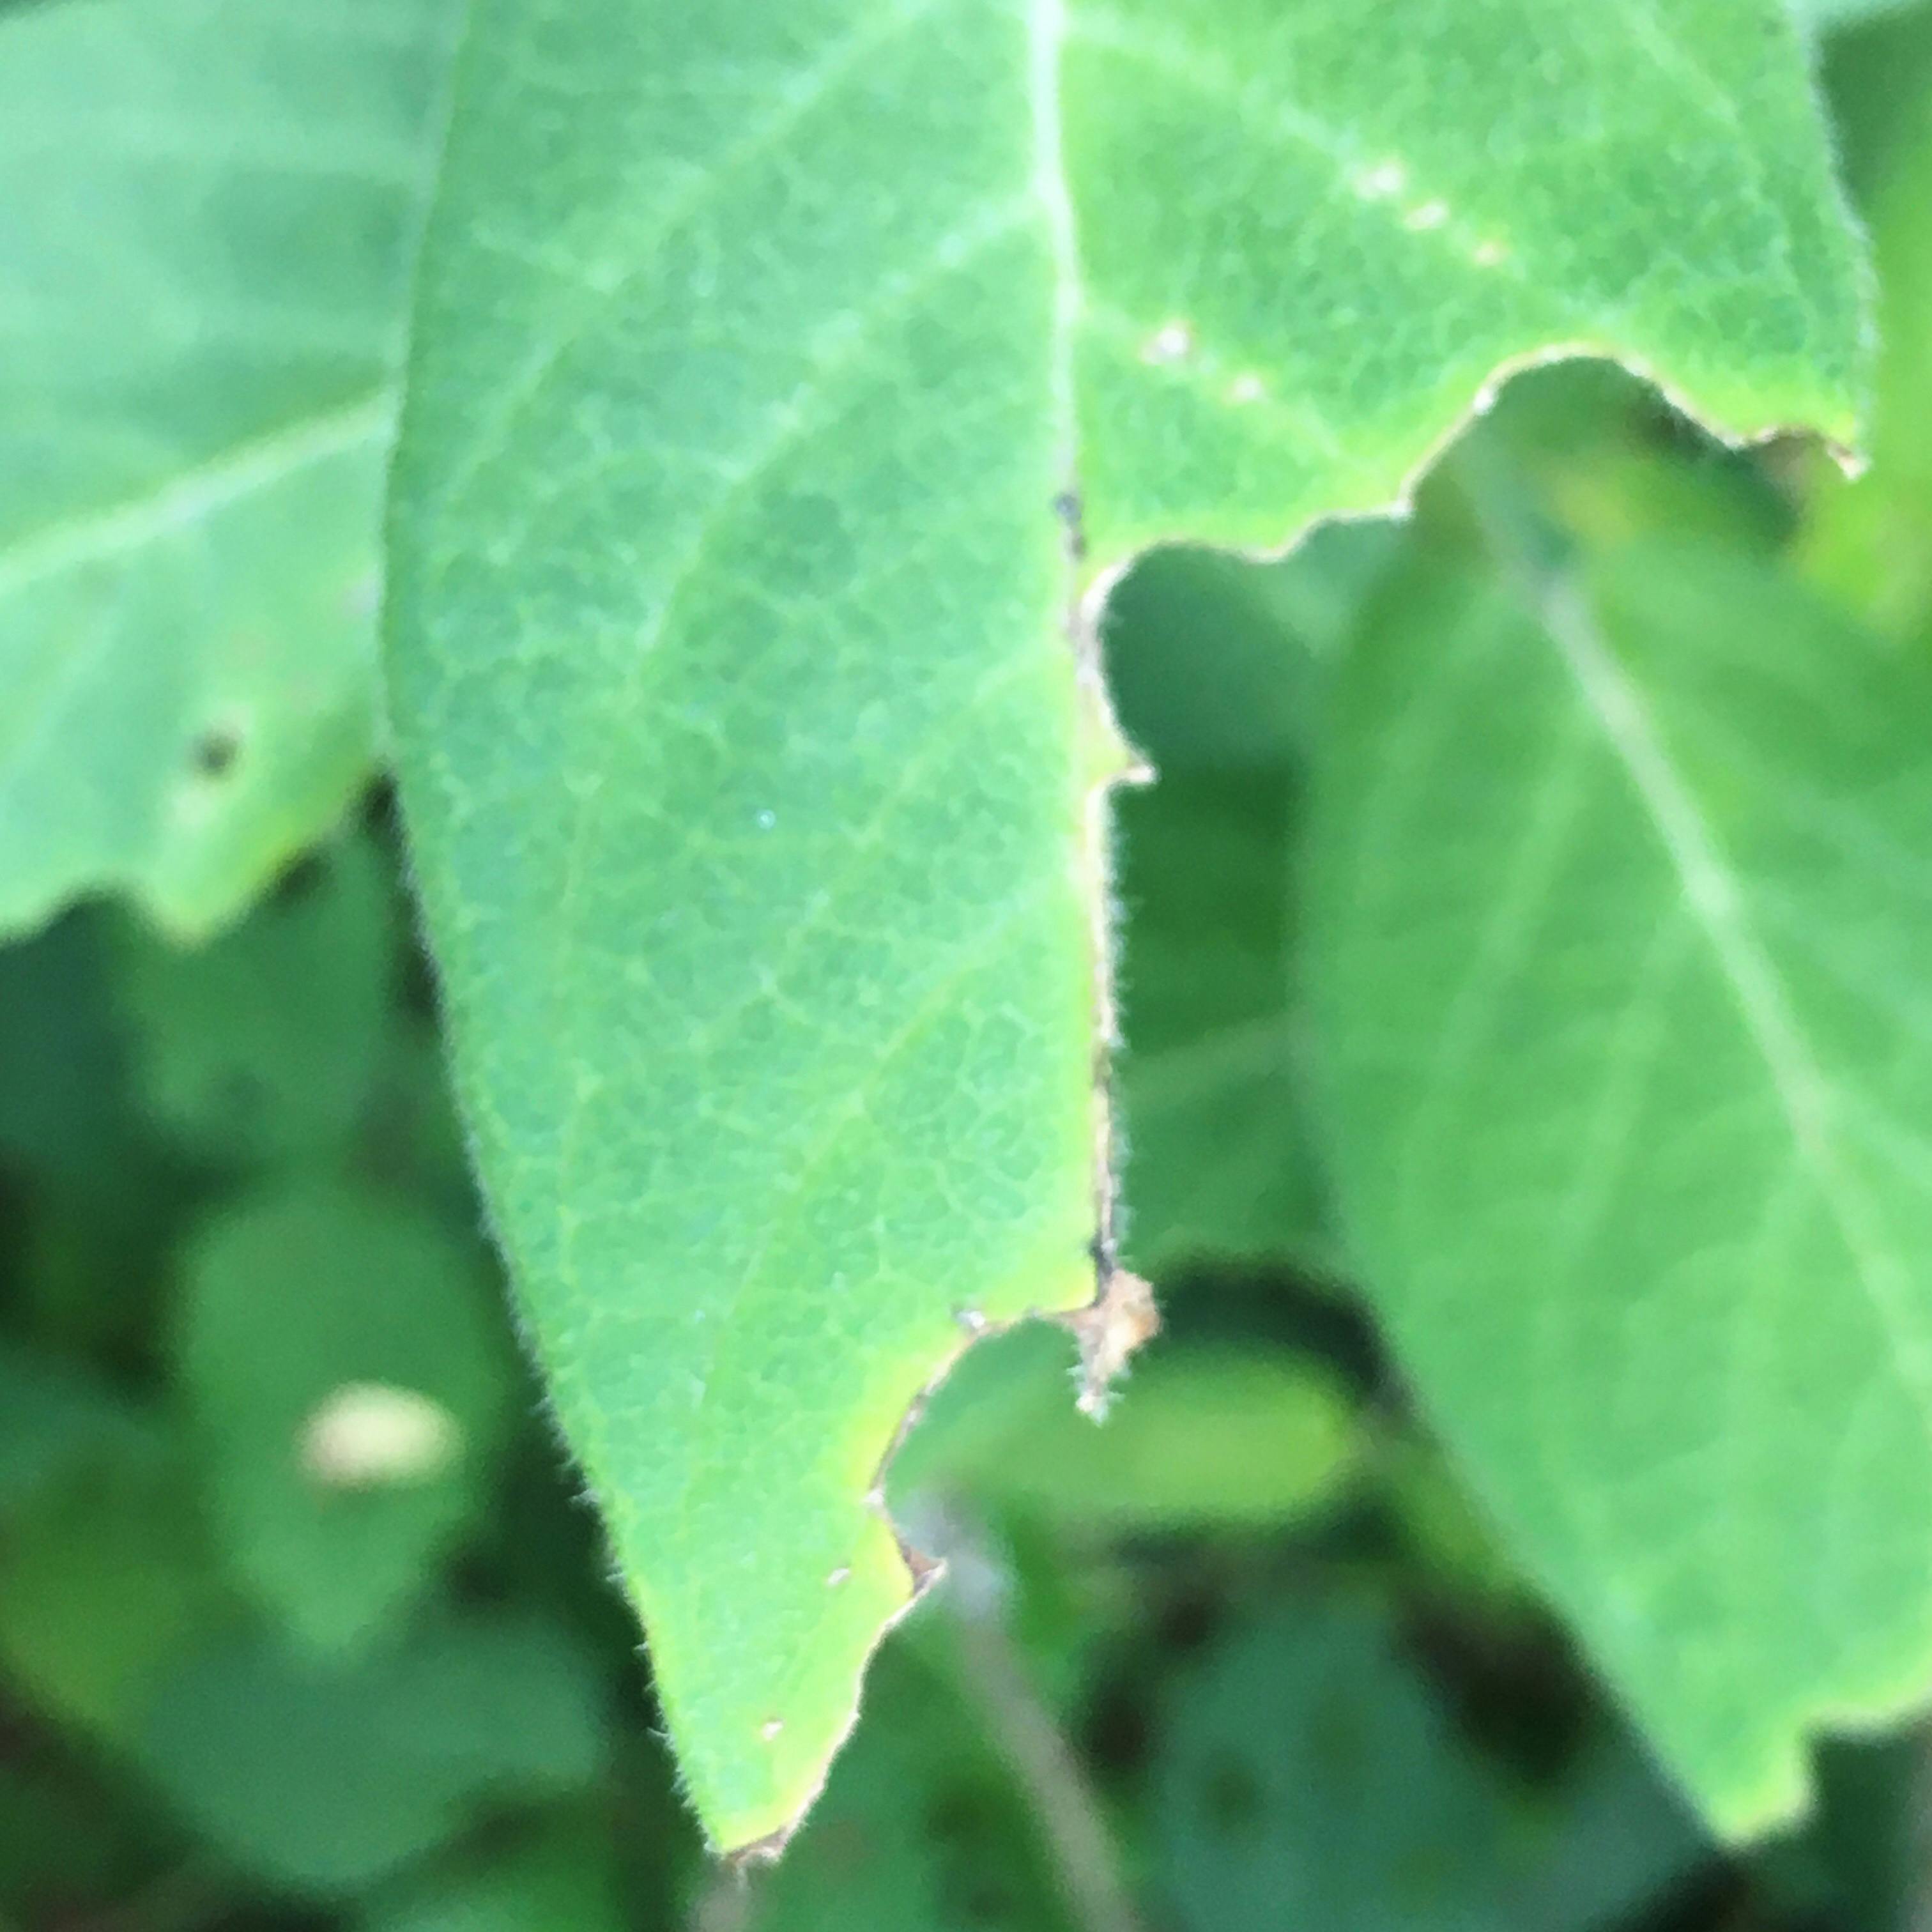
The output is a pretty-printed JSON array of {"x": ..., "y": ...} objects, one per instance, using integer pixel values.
[
  {"x": 1067, "y": 507},
  {"x": 299, "y": 881},
  {"x": 215, "y": 751}
]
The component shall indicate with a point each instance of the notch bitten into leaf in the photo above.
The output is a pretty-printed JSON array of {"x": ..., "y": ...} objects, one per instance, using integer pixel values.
[{"x": 745, "y": 757}]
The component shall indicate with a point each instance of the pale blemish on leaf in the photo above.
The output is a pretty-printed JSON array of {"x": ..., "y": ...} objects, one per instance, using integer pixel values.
[
  {"x": 1172, "y": 342},
  {"x": 1378, "y": 183},
  {"x": 369, "y": 1435}
]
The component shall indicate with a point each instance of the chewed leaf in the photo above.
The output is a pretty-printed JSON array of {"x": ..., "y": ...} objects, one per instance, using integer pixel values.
[{"x": 782, "y": 376}]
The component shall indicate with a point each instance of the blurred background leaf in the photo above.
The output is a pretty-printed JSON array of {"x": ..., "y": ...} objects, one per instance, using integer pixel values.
[
  {"x": 324, "y": 1777},
  {"x": 1308, "y": 1776},
  {"x": 1216, "y": 667},
  {"x": 1868, "y": 539},
  {"x": 925, "y": 1828},
  {"x": 1195, "y": 1438},
  {"x": 104, "y": 1582},
  {"x": 346, "y": 1383},
  {"x": 265, "y": 1043},
  {"x": 212, "y": 215},
  {"x": 563, "y": 1880}
]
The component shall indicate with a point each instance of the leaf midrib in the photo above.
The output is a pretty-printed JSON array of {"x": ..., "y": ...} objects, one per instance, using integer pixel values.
[
  {"x": 1046, "y": 30},
  {"x": 1046, "y": 41},
  {"x": 1714, "y": 896},
  {"x": 190, "y": 496}
]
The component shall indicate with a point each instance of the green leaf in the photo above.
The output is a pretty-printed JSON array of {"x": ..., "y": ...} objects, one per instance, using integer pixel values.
[
  {"x": 1619, "y": 905},
  {"x": 1878, "y": 89},
  {"x": 55, "y": 1419},
  {"x": 94, "y": 1196},
  {"x": 1310, "y": 1778},
  {"x": 64, "y": 1110},
  {"x": 1213, "y": 662},
  {"x": 210, "y": 213},
  {"x": 1194, "y": 1437},
  {"x": 69, "y": 1844},
  {"x": 749, "y": 771},
  {"x": 1215, "y": 666},
  {"x": 105, "y": 1581},
  {"x": 348, "y": 1386},
  {"x": 264, "y": 1043},
  {"x": 1863, "y": 1846},
  {"x": 1869, "y": 540},
  {"x": 326, "y": 1777},
  {"x": 1826, "y": 16},
  {"x": 1450, "y": 1548},
  {"x": 564, "y": 1881}
]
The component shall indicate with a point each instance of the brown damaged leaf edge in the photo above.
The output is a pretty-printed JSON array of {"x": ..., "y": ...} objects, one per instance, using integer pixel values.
[
  {"x": 1120, "y": 1320},
  {"x": 1123, "y": 1316}
]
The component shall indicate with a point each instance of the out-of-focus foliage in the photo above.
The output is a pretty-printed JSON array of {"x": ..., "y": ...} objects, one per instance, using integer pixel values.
[
  {"x": 1312, "y": 1777},
  {"x": 1217, "y": 1157},
  {"x": 211, "y": 217},
  {"x": 304, "y": 1627},
  {"x": 1865, "y": 539}
]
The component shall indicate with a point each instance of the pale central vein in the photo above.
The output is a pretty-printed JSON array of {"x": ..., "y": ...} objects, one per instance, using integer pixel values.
[
  {"x": 1046, "y": 31},
  {"x": 1711, "y": 892},
  {"x": 187, "y": 500}
]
